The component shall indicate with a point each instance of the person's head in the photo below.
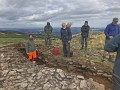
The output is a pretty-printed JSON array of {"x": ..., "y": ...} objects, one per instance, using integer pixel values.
[
  {"x": 86, "y": 23},
  {"x": 69, "y": 24},
  {"x": 63, "y": 25},
  {"x": 30, "y": 36},
  {"x": 48, "y": 23},
  {"x": 115, "y": 20}
]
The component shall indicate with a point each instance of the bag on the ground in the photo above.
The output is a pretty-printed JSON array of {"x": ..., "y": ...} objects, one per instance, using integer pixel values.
[{"x": 55, "y": 51}]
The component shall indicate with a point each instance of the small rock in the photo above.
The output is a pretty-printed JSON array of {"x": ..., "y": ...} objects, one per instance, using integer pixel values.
[
  {"x": 61, "y": 72},
  {"x": 83, "y": 66},
  {"x": 2, "y": 55},
  {"x": 46, "y": 86},
  {"x": 20, "y": 70},
  {"x": 99, "y": 71},
  {"x": 33, "y": 74},
  {"x": 39, "y": 73},
  {"x": 80, "y": 77},
  {"x": 4, "y": 72},
  {"x": 83, "y": 84},
  {"x": 64, "y": 85},
  {"x": 4, "y": 66},
  {"x": 58, "y": 76},
  {"x": 72, "y": 86},
  {"x": 30, "y": 70},
  {"x": 19, "y": 77},
  {"x": 12, "y": 72},
  {"x": 57, "y": 88},
  {"x": 30, "y": 79}
]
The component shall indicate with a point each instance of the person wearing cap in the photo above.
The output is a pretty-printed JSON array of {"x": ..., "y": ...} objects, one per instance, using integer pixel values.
[
  {"x": 31, "y": 49},
  {"x": 84, "y": 34},
  {"x": 66, "y": 36},
  {"x": 111, "y": 31},
  {"x": 48, "y": 34}
]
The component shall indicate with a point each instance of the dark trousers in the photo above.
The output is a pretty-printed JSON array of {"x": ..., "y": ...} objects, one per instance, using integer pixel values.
[
  {"x": 115, "y": 83},
  {"x": 84, "y": 42},
  {"x": 48, "y": 41},
  {"x": 66, "y": 49}
]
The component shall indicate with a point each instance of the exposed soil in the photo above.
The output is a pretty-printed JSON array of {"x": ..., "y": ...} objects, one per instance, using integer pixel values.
[{"x": 70, "y": 67}]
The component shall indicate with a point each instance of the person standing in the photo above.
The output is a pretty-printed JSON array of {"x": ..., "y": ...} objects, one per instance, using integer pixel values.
[
  {"x": 48, "y": 34},
  {"x": 66, "y": 36},
  {"x": 84, "y": 34},
  {"x": 114, "y": 46},
  {"x": 111, "y": 31},
  {"x": 31, "y": 49}
]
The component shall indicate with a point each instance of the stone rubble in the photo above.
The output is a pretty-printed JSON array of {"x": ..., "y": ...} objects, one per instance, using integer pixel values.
[{"x": 17, "y": 73}]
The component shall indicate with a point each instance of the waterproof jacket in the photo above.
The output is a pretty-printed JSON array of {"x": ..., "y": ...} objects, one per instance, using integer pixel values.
[
  {"x": 66, "y": 34},
  {"x": 30, "y": 46},
  {"x": 85, "y": 31},
  {"x": 114, "y": 46},
  {"x": 48, "y": 30},
  {"x": 112, "y": 30}
]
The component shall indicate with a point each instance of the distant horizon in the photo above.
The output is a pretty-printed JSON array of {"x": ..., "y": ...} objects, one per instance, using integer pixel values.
[{"x": 41, "y": 27}]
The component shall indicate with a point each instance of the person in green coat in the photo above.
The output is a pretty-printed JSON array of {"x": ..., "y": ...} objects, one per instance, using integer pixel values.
[
  {"x": 48, "y": 34},
  {"x": 113, "y": 45},
  {"x": 31, "y": 49}
]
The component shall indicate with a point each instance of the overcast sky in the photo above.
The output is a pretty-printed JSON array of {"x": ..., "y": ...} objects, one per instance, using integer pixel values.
[{"x": 35, "y": 13}]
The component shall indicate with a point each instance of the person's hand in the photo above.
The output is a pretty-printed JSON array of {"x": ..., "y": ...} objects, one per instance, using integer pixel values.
[
  {"x": 27, "y": 53},
  {"x": 110, "y": 37}
]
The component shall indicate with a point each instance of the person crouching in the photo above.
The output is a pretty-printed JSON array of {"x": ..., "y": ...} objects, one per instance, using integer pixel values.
[{"x": 31, "y": 49}]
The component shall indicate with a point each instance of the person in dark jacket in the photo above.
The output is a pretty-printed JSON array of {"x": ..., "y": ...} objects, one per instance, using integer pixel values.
[
  {"x": 48, "y": 34},
  {"x": 111, "y": 31},
  {"x": 114, "y": 46},
  {"x": 31, "y": 49},
  {"x": 66, "y": 36},
  {"x": 84, "y": 34}
]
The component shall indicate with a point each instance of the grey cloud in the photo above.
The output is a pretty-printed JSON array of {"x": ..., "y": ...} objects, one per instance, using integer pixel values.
[{"x": 29, "y": 12}]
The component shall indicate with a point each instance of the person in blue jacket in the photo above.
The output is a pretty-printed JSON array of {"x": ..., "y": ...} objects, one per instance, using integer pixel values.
[
  {"x": 114, "y": 46},
  {"x": 111, "y": 31},
  {"x": 66, "y": 36}
]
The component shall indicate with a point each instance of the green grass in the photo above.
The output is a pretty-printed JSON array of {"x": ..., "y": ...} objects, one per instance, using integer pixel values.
[
  {"x": 12, "y": 38},
  {"x": 8, "y": 41},
  {"x": 94, "y": 53}
]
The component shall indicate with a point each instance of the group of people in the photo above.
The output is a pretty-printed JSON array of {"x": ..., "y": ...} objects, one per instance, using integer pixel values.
[
  {"x": 66, "y": 36},
  {"x": 112, "y": 44}
]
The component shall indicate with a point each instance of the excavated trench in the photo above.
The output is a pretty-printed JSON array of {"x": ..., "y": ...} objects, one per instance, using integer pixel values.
[{"x": 71, "y": 67}]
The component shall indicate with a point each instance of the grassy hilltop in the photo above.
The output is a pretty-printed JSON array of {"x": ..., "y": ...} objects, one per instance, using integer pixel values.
[{"x": 94, "y": 52}]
